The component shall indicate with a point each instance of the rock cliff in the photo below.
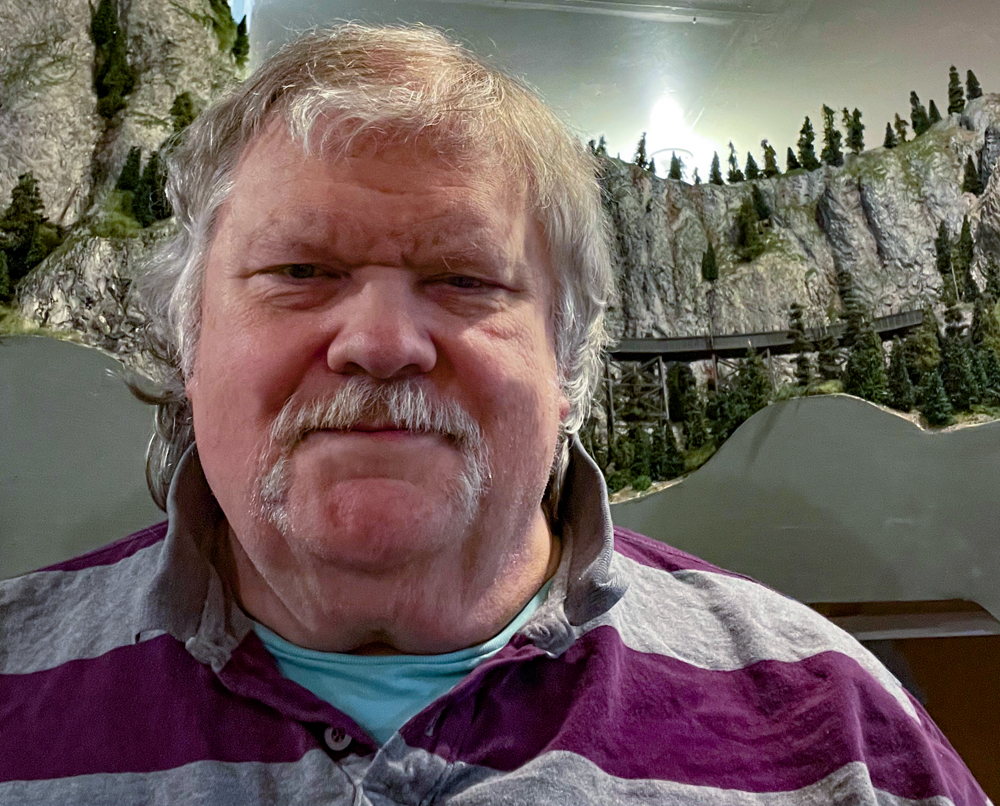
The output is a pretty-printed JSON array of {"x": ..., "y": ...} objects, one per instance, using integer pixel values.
[{"x": 877, "y": 216}]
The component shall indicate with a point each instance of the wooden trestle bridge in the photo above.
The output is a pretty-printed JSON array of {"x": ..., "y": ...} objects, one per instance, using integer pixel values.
[{"x": 638, "y": 359}]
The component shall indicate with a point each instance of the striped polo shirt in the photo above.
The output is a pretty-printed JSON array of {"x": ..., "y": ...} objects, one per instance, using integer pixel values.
[{"x": 647, "y": 676}]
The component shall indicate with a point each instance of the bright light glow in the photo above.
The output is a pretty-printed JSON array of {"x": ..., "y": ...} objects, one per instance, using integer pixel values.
[{"x": 668, "y": 130}]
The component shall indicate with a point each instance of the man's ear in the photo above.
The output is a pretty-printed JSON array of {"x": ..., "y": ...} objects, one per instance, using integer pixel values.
[{"x": 563, "y": 408}]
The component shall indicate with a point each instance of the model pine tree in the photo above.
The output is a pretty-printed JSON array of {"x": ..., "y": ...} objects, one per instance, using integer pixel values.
[
  {"x": 864, "y": 374},
  {"x": 695, "y": 178},
  {"x": 972, "y": 88},
  {"x": 652, "y": 166},
  {"x": 715, "y": 172},
  {"x": 942, "y": 250},
  {"x": 901, "y": 393},
  {"x": 752, "y": 171},
  {"x": 852, "y": 311},
  {"x": 749, "y": 243},
  {"x": 640, "y": 153},
  {"x": 666, "y": 460},
  {"x": 131, "y": 171},
  {"x": 801, "y": 346},
  {"x": 241, "y": 48},
  {"x": 807, "y": 149},
  {"x": 735, "y": 174},
  {"x": 918, "y": 115},
  {"x": 933, "y": 115},
  {"x": 971, "y": 181},
  {"x": 791, "y": 161},
  {"x": 933, "y": 399},
  {"x": 20, "y": 225},
  {"x": 922, "y": 346},
  {"x": 832, "y": 153},
  {"x": 676, "y": 168},
  {"x": 956, "y": 95},
  {"x": 114, "y": 78},
  {"x": 890, "y": 137},
  {"x": 985, "y": 330},
  {"x": 760, "y": 205},
  {"x": 901, "y": 127},
  {"x": 770, "y": 160},
  {"x": 855, "y": 131},
  {"x": 150, "y": 203},
  {"x": 183, "y": 111},
  {"x": 956, "y": 373},
  {"x": 962, "y": 263},
  {"x": 828, "y": 356},
  {"x": 709, "y": 265}
]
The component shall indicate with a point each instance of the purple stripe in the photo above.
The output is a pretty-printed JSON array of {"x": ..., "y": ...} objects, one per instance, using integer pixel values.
[
  {"x": 772, "y": 726},
  {"x": 139, "y": 708},
  {"x": 113, "y": 552},
  {"x": 647, "y": 551}
]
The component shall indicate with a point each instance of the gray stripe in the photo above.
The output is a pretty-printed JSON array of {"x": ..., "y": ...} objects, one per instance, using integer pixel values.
[
  {"x": 315, "y": 778},
  {"x": 51, "y": 617},
  {"x": 723, "y": 623},
  {"x": 561, "y": 778}
]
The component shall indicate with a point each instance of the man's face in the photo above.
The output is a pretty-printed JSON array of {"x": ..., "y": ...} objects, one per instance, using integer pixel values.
[{"x": 392, "y": 314}]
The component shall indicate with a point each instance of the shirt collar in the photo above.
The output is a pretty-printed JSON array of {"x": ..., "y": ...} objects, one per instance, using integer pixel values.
[{"x": 187, "y": 598}]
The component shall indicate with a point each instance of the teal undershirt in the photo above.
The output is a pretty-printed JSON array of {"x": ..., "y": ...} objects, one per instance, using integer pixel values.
[{"x": 382, "y": 692}]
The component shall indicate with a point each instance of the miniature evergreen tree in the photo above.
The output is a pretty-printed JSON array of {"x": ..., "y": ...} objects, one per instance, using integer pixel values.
[
  {"x": 150, "y": 203},
  {"x": 241, "y": 48},
  {"x": 182, "y": 111},
  {"x": 652, "y": 166},
  {"x": 807, "y": 151},
  {"x": 103, "y": 23},
  {"x": 985, "y": 331},
  {"x": 715, "y": 172},
  {"x": 956, "y": 373},
  {"x": 933, "y": 114},
  {"x": 676, "y": 168},
  {"x": 696, "y": 178},
  {"x": 973, "y": 90},
  {"x": 642, "y": 444},
  {"x": 128, "y": 179},
  {"x": 752, "y": 171},
  {"x": 709, "y": 265},
  {"x": 791, "y": 161},
  {"x": 900, "y": 126},
  {"x": 901, "y": 394},
  {"x": 749, "y": 243},
  {"x": 640, "y": 153},
  {"x": 801, "y": 346},
  {"x": 956, "y": 96},
  {"x": 760, "y": 205},
  {"x": 852, "y": 311},
  {"x": 933, "y": 399},
  {"x": 832, "y": 140},
  {"x": 20, "y": 225},
  {"x": 918, "y": 115},
  {"x": 770, "y": 160},
  {"x": 864, "y": 375},
  {"x": 114, "y": 78},
  {"x": 890, "y": 137},
  {"x": 962, "y": 265},
  {"x": 855, "y": 131},
  {"x": 735, "y": 174},
  {"x": 828, "y": 358},
  {"x": 971, "y": 181},
  {"x": 602, "y": 147},
  {"x": 667, "y": 462},
  {"x": 942, "y": 249},
  {"x": 921, "y": 348}
]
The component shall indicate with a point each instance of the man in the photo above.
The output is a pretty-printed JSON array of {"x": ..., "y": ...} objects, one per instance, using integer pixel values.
[{"x": 389, "y": 573}]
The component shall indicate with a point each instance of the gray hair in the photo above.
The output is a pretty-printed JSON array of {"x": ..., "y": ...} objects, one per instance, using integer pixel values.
[{"x": 382, "y": 85}]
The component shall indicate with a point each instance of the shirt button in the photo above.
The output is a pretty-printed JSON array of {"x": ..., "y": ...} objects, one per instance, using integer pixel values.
[{"x": 336, "y": 739}]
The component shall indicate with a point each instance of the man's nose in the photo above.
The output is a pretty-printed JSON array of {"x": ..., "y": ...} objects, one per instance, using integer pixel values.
[{"x": 382, "y": 327}]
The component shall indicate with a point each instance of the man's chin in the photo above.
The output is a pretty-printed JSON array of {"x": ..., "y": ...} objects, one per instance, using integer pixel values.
[{"x": 376, "y": 522}]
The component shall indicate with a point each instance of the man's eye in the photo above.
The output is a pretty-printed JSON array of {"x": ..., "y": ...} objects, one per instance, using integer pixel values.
[
  {"x": 298, "y": 271},
  {"x": 464, "y": 281}
]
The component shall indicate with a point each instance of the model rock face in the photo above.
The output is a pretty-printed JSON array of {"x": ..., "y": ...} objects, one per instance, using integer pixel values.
[{"x": 876, "y": 217}]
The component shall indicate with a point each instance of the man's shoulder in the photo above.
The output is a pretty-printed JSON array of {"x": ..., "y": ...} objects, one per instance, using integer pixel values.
[{"x": 77, "y": 608}]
